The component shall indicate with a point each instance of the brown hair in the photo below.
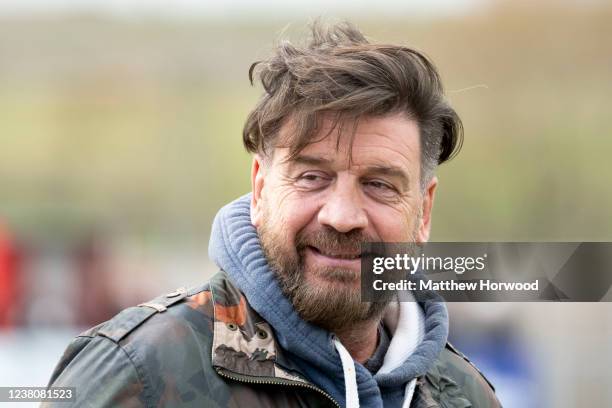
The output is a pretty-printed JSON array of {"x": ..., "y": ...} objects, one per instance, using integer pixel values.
[{"x": 340, "y": 72}]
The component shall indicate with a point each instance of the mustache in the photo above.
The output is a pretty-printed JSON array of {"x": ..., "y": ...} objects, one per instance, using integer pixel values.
[{"x": 330, "y": 240}]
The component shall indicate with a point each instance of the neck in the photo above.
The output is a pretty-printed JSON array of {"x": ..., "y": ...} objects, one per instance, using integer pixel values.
[{"x": 360, "y": 340}]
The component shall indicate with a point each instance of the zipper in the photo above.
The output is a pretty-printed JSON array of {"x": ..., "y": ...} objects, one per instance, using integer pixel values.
[{"x": 273, "y": 381}]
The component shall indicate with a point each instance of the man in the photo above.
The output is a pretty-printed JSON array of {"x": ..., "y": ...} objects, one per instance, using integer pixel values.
[{"x": 345, "y": 139}]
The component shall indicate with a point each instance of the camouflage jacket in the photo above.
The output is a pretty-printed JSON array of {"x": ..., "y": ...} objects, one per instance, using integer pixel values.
[{"x": 208, "y": 348}]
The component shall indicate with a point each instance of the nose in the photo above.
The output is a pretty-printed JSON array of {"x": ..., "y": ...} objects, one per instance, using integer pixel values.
[{"x": 343, "y": 210}]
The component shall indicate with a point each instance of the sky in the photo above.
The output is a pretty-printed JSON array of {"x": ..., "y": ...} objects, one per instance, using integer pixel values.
[{"x": 233, "y": 8}]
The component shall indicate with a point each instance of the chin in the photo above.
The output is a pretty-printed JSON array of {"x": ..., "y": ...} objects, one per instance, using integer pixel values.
[{"x": 335, "y": 278}]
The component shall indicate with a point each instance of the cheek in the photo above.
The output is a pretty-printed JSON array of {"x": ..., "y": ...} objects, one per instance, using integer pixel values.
[
  {"x": 395, "y": 224},
  {"x": 394, "y": 229},
  {"x": 291, "y": 213}
]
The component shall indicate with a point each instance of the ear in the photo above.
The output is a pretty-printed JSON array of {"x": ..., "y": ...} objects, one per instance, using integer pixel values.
[
  {"x": 257, "y": 185},
  {"x": 428, "y": 200}
]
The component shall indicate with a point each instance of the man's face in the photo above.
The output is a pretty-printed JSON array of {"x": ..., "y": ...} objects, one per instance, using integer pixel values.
[{"x": 313, "y": 211}]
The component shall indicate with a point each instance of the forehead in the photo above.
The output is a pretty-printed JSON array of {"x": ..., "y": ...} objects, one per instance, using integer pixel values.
[{"x": 381, "y": 140}]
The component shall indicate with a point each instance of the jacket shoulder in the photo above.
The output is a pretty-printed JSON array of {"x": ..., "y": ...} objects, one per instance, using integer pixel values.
[
  {"x": 471, "y": 366},
  {"x": 135, "y": 353},
  {"x": 129, "y": 321},
  {"x": 455, "y": 377}
]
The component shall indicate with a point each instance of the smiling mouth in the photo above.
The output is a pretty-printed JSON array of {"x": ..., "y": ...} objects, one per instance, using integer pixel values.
[{"x": 337, "y": 254}]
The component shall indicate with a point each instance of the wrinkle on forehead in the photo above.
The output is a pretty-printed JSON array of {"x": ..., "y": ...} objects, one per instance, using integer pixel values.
[{"x": 373, "y": 141}]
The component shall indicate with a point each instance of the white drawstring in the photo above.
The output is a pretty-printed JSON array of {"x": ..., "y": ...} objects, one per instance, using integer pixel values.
[
  {"x": 350, "y": 377},
  {"x": 409, "y": 393}
]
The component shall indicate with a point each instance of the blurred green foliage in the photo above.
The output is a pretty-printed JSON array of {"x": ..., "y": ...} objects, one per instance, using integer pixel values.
[{"x": 135, "y": 126}]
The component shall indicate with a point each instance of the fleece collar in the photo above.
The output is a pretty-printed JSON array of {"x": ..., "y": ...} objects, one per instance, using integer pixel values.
[{"x": 235, "y": 248}]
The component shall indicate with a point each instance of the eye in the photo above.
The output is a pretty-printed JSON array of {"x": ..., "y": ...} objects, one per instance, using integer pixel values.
[
  {"x": 312, "y": 180},
  {"x": 379, "y": 185},
  {"x": 380, "y": 189}
]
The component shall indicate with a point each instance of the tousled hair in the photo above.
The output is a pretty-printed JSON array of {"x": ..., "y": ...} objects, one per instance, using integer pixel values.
[{"x": 339, "y": 72}]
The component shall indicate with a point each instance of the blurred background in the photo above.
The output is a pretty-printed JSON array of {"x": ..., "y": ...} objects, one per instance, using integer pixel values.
[{"x": 120, "y": 138}]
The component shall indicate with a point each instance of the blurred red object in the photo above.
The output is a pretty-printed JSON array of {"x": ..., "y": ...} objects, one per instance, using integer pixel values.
[{"x": 10, "y": 258}]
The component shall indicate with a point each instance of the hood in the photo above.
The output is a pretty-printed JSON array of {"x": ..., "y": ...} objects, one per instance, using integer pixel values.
[{"x": 234, "y": 246}]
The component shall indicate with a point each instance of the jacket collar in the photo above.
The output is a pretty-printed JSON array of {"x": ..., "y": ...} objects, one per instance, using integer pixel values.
[{"x": 243, "y": 342}]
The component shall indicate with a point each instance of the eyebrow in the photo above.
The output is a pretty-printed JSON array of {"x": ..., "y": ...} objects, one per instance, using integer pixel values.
[
  {"x": 382, "y": 169},
  {"x": 387, "y": 170},
  {"x": 311, "y": 160}
]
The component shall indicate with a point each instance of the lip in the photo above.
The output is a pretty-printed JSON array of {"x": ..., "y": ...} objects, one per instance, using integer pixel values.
[{"x": 332, "y": 261}]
